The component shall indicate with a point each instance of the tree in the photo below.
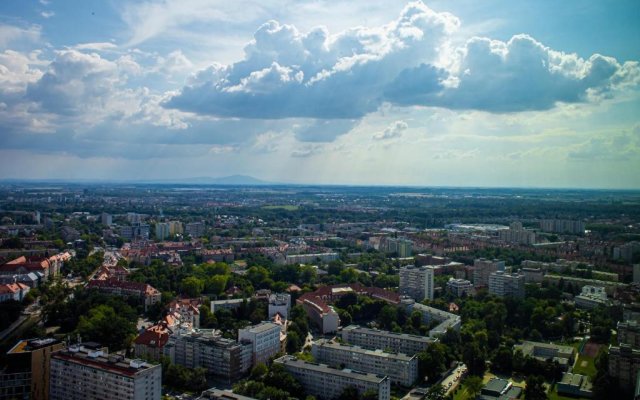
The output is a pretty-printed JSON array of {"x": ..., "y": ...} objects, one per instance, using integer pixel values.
[
  {"x": 474, "y": 386},
  {"x": 534, "y": 388},
  {"x": 107, "y": 327},
  {"x": 503, "y": 360},
  {"x": 436, "y": 392},
  {"x": 192, "y": 286}
]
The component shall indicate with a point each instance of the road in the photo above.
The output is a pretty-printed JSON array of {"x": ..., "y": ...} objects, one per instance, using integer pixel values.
[{"x": 451, "y": 381}]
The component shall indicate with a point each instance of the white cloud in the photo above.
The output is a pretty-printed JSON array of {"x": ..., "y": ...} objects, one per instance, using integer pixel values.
[
  {"x": 10, "y": 34},
  {"x": 47, "y": 14},
  {"x": 392, "y": 131}
]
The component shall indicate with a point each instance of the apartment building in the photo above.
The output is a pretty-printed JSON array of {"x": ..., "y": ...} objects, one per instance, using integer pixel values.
[
  {"x": 264, "y": 339},
  {"x": 624, "y": 364},
  {"x": 483, "y": 268},
  {"x": 629, "y": 333},
  {"x": 400, "y": 368},
  {"x": 502, "y": 284},
  {"x": 88, "y": 373},
  {"x": 591, "y": 297},
  {"x": 28, "y": 372},
  {"x": 460, "y": 287},
  {"x": 221, "y": 357},
  {"x": 279, "y": 303},
  {"x": 326, "y": 382},
  {"x": 417, "y": 282},
  {"x": 217, "y": 394},
  {"x": 148, "y": 293},
  {"x": 195, "y": 229},
  {"x": 446, "y": 320},
  {"x": 377, "y": 339}
]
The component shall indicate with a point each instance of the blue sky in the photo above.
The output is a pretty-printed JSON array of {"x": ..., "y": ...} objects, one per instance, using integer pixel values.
[{"x": 456, "y": 93}]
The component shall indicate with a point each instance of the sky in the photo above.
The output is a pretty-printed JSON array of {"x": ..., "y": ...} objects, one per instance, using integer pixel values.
[{"x": 444, "y": 93}]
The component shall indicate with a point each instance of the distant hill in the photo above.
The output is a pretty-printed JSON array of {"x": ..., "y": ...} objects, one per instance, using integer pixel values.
[{"x": 225, "y": 180}]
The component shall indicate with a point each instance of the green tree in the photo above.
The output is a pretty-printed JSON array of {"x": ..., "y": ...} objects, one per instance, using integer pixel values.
[
  {"x": 474, "y": 385},
  {"x": 192, "y": 286},
  {"x": 104, "y": 325},
  {"x": 534, "y": 388}
]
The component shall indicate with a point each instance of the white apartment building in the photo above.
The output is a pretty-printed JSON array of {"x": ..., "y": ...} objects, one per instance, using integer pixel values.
[
  {"x": 591, "y": 297},
  {"x": 400, "y": 368},
  {"x": 377, "y": 339},
  {"x": 279, "y": 303},
  {"x": 460, "y": 287},
  {"x": 417, "y": 282},
  {"x": 265, "y": 340},
  {"x": 482, "y": 268},
  {"x": 502, "y": 284},
  {"x": 328, "y": 383},
  {"x": 80, "y": 373}
]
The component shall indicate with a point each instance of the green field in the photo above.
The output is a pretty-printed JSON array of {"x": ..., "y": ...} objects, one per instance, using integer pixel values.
[
  {"x": 287, "y": 207},
  {"x": 585, "y": 366}
]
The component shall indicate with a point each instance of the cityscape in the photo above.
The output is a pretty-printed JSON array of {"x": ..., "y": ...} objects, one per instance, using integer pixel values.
[
  {"x": 319, "y": 200},
  {"x": 274, "y": 292}
]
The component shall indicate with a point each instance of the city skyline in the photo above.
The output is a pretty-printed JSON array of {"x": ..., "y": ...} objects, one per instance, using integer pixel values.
[{"x": 314, "y": 92}]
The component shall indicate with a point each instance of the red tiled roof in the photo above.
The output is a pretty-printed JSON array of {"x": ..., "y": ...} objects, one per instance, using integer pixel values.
[{"x": 154, "y": 336}]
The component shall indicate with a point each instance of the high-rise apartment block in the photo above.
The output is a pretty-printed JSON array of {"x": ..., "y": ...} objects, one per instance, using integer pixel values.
[
  {"x": 106, "y": 219},
  {"x": 482, "y": 268},
  {"x": 27, "y": 374},
  {"x": 624, "y": 364},
  {"x": 195, "y": 229},
  {"x": 162, "y": 230},
  {"x": 401, "y": 368},
  {"x": 88, "y": 373},
  {"x": 460, "y": 287},
  {"x": 377, "y": 339},
  {"x": 264, "y": 339},
  {"x": 502, "y": 284},
  {"x": 417, "y": 282},
  {"x": 279, "y": 303},
  {"x": 629, "y": 333},
  {"x": 328, "y": 383},
  {"x": 562, "y": 226}
]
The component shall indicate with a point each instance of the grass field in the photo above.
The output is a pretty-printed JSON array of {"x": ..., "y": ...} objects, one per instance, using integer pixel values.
[
  {"x": 286, "y": 207},
  {"x": 585, "y": 366}
]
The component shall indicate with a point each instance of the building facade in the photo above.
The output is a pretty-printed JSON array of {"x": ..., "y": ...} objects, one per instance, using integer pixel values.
[
  {"x": 502, "y": 284},
  {"x": 377, "y": 339},
  {"x": 401, "y": 368},
  {"x": 325, "y": 382},
  {"x": 624, "y": 364},
  {"x": 460, "y": 287},
  {"x": 483, "y": 268},
  {"x": 417, "y": 282},
  {"x": 80, "y": 373},
  {"x": 264, "y": 339}
]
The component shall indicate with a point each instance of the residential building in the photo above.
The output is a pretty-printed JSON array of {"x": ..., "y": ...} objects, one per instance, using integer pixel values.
[
  {"x": 279, "y": 303},
  {"x": 162, "y": 230},
  {"x": 483, "y": 268},
  {"x": 88, "y": 373},
  {"x": 532, "y": 275},
  {"x": 13, "y": 291},
  {"x": 375, "y": 339},
  {"x": 138, "y": 231},
  {"x": 175, "y": 228},
  {"x": 228, "y": 304},
  {"x": 195, "y": 229},
  {"x": 28, "y": 372},
  {"x": 516, "y": 234},
  {"x": 564, "y": 355},
  {"x": 323, "y": 316},
  {"x": 325, "y": 382},
  {"x": 150, "y": 343},
  {"x": 264, "y": 338},
  {"x": 146, "y": 292},
  {"x": 400, "y": 246},
  {"x": 591, "y": 297},
  {"x": 106, "y": 219},
  {"x": 563, "y": 226},
  {"x": 575, "y": 385},
  {"x": 186, "y": 311},
  {"x": 217, "y": 394},
  {"x": 205, "y": 348},
  {"x": 460, "y": 287},
  {"x": 310, "y": 258},
  {"x": 629, "y": 333},
  {"x": 401, "y": 368},
  {"x": 447, "y": 320},
  {"x": 417, "y": 282},
  {"x": 502, "y": 284},
  {"x": 624, "y": 364}
]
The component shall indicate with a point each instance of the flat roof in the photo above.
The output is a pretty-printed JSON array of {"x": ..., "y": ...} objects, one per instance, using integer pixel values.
[
  {"x": 325, "y": 369},
  {"x": 357, "y": 349}
]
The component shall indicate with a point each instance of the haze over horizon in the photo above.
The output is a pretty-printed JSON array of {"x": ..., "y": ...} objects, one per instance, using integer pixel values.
[{"x": 439, "y": 93}]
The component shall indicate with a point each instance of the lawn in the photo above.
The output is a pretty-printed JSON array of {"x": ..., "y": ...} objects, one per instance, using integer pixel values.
[{"x": 585, "y": 366}]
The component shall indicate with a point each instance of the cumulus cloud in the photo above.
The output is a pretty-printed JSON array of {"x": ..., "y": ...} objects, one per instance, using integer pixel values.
[
  {"x": 10, "y": 34},
  {"x": 306, "y": 151},
  {"x": 47, "y": 14},
  {"x": 286, "y": 73},
  {"x": 289, "y": 74},
  {"x": 320, "y": 130},
  {"x": 619, "y": 146},
  {"x": 392, "y": 131}
]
